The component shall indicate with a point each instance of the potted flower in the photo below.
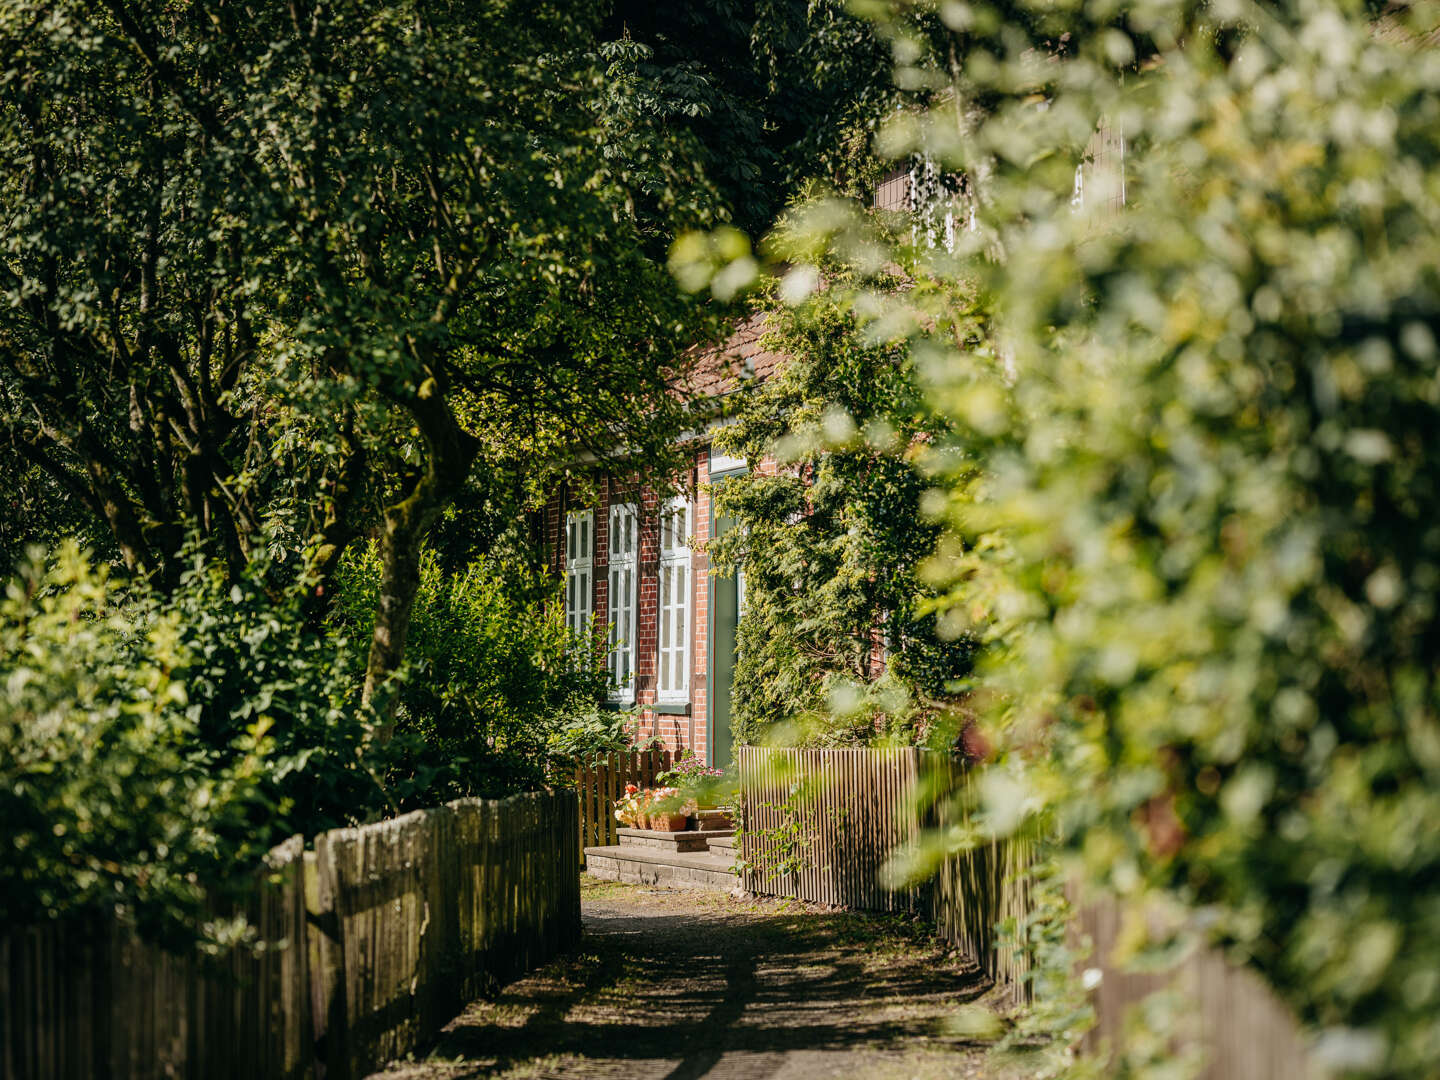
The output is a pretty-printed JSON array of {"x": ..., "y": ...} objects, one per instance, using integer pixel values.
[
  {"x": 666, "y": 810},
  {"x": 703, "y": 788},
  {"x": 628, "y": 810}
]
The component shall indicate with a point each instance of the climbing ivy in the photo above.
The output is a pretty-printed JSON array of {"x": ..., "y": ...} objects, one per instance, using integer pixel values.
[{"x": 831, "y": 537}]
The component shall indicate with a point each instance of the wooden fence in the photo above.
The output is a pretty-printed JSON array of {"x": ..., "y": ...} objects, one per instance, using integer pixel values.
[
  {"x": 600, "y": 781},
  {"x": 365, "y": 948},
  {"x": 820, "y": 825},
  {"x": 1241, "y": 1030}
]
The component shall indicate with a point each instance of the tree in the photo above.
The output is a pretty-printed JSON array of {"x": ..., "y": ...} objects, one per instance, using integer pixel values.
[
  {"x": 284, "y": 272},
  {"x": 762, "y": 97}
]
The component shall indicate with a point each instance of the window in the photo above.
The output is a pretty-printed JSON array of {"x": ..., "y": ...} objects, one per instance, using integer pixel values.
[
  {"x": 624, "y": 575},
  {"x": 673, "y": 682},
  {"x": 724, "y": 463},
  {"x": 579, "y": 569}
]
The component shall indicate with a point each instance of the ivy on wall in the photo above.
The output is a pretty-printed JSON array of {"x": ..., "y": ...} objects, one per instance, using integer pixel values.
[{"x": 835, "y": 645}]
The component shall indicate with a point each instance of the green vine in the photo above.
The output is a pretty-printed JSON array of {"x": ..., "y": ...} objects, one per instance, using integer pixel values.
[{"x": 788, "y": 848}]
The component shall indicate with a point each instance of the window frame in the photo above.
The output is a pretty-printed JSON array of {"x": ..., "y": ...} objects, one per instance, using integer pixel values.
[
  {"x": 616, "y": 564},
  {"x": 579, "y": 565},
  {"x": 675, "y": 558}
]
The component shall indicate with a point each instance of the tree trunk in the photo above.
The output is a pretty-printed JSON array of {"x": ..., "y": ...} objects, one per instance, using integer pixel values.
[{"x": 450, "y": 454}]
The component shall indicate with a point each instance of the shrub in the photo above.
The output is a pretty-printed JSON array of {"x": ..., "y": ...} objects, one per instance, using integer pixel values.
[
  {"x": 256, "y": 657},
  {"x": 591, "y": 733},
  {"x": 105, "y": 803},
  {"x": 493, "y": 675}
]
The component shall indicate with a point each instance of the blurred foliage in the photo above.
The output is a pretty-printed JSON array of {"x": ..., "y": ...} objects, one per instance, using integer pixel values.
[
  {"x": 1190, "y": 501},
  {"x": 495, "y": 682},
  {"x": 830, "y": 540},
  {"x": 1204, "y": 542}
]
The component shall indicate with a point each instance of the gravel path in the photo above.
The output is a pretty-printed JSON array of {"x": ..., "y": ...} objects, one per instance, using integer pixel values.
[{"x": 675, "y": 985}]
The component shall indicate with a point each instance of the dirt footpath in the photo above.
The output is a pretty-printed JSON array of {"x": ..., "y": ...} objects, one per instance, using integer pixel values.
[{"x": 675, "y": 985}]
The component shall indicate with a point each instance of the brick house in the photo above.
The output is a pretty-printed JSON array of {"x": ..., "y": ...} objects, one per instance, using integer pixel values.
[{"x": 636, "y": 563}]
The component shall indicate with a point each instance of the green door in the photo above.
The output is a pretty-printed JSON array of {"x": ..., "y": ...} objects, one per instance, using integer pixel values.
[{"x": 724, "y": 614}]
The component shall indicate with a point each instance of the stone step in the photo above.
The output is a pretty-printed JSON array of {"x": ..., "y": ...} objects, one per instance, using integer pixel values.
[
  {"x": 714, "y": 819},
  {"x": 725, "y": 845},
  {"x": 646, "y": 866},
  {"x": 655, "y": 840}
]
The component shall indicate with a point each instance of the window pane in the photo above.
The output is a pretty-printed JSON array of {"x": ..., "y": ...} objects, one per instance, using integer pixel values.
[
  {"x": 664, "y": 601},
  {"x": 679, "y": 616}
]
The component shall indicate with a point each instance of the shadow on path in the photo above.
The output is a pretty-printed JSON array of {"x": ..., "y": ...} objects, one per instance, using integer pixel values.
[{"x": 680, "y": 986}]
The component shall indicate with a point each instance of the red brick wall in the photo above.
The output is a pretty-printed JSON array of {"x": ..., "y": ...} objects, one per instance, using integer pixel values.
[{"x": 678, "y": 731}]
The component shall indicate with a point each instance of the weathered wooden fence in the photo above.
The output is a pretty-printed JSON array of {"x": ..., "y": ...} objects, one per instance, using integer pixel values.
[
  {"x": 1240, "y": 1028},
  {"x": 601, "y": 780},
  {"x": 365, "y": 947},
  {"x": 820, "y": 825}
]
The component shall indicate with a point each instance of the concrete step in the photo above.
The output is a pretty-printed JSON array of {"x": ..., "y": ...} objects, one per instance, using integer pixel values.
[
  {"x": 725, "y": 845},
  {"x": 656, "y": 840},
  {"x": 647, "y": 866},
  {"x": 714, "y": 819}
]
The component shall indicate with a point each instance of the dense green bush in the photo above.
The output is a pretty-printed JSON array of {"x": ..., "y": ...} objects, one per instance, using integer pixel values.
[
  {"x": 151, "y": 749},
  {"x": 254, "y": 656},
  {"x": 493, "y": 675},
  {"x": 105, "y": 803}
]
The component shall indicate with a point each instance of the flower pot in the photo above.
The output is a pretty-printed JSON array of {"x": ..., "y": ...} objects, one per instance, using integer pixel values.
[{"x": 667, "y": 822}]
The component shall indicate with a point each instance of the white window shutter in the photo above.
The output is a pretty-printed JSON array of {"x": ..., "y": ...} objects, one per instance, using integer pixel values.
[
  {"x": 676, "y": 528},
  {"x": 624, "y": 547}
]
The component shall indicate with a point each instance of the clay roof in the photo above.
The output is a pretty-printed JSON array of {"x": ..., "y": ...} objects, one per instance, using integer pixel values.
[{"x": 720, "y": 369}]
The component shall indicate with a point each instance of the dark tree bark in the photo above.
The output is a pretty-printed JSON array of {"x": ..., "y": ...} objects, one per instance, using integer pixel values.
[{"x": 450, "y": 453}]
